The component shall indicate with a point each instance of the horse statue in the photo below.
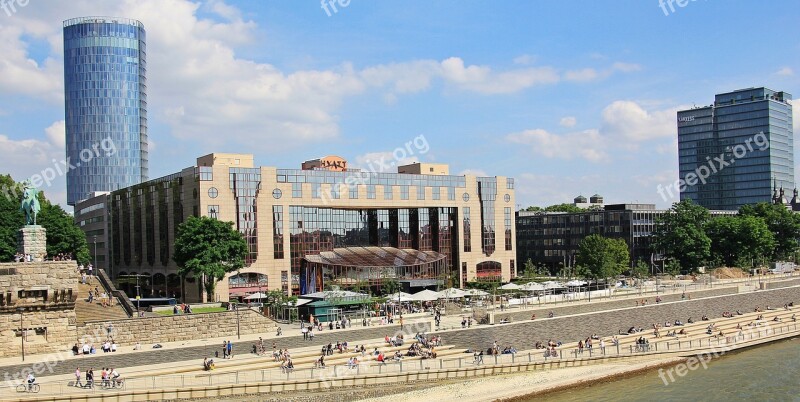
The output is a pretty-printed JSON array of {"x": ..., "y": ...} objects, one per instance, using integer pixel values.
[{"x": 30, "y": 203}]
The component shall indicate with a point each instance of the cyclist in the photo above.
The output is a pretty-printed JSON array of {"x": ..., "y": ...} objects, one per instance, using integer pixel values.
[
  {"x": 115, "y": 379},
  {"x": 31, "y": 380}
]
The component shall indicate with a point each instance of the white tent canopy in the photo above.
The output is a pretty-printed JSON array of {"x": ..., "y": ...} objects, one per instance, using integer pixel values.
[
  {"x": 256, "y": 296},
  {"x": 451, "y": 293},
  {"x": 400, "y": 297},
  {"x": 475, "y": 292},
  {"x": 425, "y": 295},
  {"x": 553, "y": 285},
  {"x": 576, "y": 282},
  {"x": 532, "y": 286},
  {"x": 510, "y": 286}
]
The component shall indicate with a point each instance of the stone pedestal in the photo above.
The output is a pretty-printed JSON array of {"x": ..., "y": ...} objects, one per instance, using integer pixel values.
[{"x": 32, "y": 240}]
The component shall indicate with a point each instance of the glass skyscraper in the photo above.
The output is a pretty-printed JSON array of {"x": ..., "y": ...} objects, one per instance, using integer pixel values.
[
  {"x": 735, "y": 152},
  {"x": 105, "y": 91}
]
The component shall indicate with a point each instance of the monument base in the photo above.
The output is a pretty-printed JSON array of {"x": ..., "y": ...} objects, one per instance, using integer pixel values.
[{"x": 32, "y": 240}]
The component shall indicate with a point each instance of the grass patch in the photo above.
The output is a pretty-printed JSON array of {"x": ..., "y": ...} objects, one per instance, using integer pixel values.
[{"x": 199, "y": 310}]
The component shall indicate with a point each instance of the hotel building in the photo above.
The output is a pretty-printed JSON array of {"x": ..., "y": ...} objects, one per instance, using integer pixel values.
[
  {"x": 742, "y": 146},
  {"x": 317, "y": 227}
]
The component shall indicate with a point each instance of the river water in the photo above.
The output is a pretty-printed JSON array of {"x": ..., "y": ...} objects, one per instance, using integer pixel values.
[{"x": 764, "y": 373}]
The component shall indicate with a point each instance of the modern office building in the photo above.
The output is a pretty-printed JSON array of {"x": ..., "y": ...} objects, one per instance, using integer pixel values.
[
  {"x": 105, "y": 97},
  {"x": 552, "y": 239},
  {"x": 314, "y": 229},
  {"x": 90, "y": 215},
  {"x": 733, "y": 152}
]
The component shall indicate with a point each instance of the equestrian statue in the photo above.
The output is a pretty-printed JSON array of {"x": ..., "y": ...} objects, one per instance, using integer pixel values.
[{"x": 30, "y": 203}]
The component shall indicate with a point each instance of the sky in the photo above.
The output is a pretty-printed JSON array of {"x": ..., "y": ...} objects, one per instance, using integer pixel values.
[{"x": 568, "y": 97}]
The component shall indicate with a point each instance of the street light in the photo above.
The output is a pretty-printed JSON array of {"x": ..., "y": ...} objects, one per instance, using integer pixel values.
[
  {"x": 22, "y": 331},
  {"x": 94, "y": 242}
]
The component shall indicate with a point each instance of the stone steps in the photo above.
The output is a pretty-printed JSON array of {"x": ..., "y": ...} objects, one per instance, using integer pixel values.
[{"x": 86, "y": 312}]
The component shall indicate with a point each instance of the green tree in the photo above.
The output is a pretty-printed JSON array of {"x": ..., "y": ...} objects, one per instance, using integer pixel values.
[
  {"x": 641, "y": 269},
  {"x": 529, "y": 268},
  {"x": 784, "y": 225},
  {"x": 680, "y": 234},
  {"x": 11, "y": 219},
  {"x": 600, "y": 257},
  {"x": 738, "y": 239},
  {"x": 63, "y": 235},
  {"x": 390, "y": 286},
  {"x": 208, "y": 248},
  {"x": 569, "y": 208}
]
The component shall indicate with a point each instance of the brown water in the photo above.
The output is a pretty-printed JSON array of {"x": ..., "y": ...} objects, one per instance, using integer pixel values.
[{"x": 764, "y": 373}]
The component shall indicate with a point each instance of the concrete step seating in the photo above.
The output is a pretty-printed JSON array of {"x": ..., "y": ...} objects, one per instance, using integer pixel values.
[
  {"x": 307, "y": 359},
  {"x": 94, "y": 311},
  {"x": 696, "y": 332}
]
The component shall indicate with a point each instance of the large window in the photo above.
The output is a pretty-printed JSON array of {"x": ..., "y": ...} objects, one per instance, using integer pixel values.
[
  {"x": 489, "y": 271},
  {"x": 467, "y": 236},
  {"x": 487, "y": 190},
  {"x": 277, "y": 235},
  {"x": 507, "y": 219},
  {"x": 245, "y": 184}
]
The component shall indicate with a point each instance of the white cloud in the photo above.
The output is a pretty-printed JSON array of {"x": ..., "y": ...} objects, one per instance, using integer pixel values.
[
  {"x": 629, "y": 120},
  {"x": 25, "y": 158},
  {"x": 796, "y": 118},
  {"x": 586, "y": 144},
  {"x": 56, "y": 133},
  {"x": 591, "y": 74},
  {"x": 483, "y": 80},
  {"x": 200, "y": 88},
  {"x": 625, "y": 67},
  {"x": 524, "y": 59},
  {"x": 569, "y": 121},
  {"x": 785, "y": 71},
  {"x": 582, "y": 75}
]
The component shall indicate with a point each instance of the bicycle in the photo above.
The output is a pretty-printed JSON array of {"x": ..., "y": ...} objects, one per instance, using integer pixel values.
[
  {"x": 113, "y": 384},
  {"x": 34, "y": 388}
]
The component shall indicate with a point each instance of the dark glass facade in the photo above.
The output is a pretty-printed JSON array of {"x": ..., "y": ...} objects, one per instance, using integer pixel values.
[
  {"x": 725, "y": 142},
  {"x": 316, "y": 230},
  {"x": 552, "y": 239},
  {"x": 105, "y": 96}
]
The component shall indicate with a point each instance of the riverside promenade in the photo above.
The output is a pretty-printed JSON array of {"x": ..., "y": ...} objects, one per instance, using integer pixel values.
[{"x": 163, "y": 368}]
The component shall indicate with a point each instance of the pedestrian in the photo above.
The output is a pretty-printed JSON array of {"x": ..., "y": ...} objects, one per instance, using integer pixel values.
[
  {"x": 224, "y": 349},
  {"x": 304, "y": 330},
  {"x": 310, "y": 335},
  {"x": 78, "y": 377},
  {"x": 230, "y": 350}
]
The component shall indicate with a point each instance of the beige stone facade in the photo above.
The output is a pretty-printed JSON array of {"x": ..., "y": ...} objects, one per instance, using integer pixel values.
[
  {"x": 37, "y": 302},
  {"x": 269, "y": 206}
]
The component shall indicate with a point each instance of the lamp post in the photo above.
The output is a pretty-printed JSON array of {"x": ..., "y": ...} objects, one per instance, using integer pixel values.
[
  {"x": 94, "y": 256},
  {"x": 22, "y": 332}
]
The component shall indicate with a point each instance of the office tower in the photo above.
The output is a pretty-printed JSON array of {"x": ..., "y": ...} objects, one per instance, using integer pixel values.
[
  {"x": 737, "y": 150},
  {"x": 105, "y": 94}
]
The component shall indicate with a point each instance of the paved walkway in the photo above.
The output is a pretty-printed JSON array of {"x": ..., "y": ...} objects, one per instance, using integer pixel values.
[{"x": 199, "y": 349}]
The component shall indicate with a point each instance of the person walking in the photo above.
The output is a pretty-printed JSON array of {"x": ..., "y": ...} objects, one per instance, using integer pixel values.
[
  {"x": 78, "y": 377},
  {"x": 224, "y": 349},
  {"x": 230, "y": 350}
]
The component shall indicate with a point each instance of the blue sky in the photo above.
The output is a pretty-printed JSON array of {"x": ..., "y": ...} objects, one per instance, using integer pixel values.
[{"x": 568, "y": 97}]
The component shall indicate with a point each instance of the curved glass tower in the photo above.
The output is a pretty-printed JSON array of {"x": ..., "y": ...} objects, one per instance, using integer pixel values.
[{"x": 105, "y": 94}]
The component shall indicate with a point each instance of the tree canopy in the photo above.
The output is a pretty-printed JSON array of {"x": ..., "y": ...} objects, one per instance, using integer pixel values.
[
  {"x": 739, "y": 240},
  {"x": 601, "y": 257},
  {"x": 569, "y": 208},
  {"x": 680, "y": 234},
  {"x": 209, "y": 248},
  {"x": 784, "y": 225}
]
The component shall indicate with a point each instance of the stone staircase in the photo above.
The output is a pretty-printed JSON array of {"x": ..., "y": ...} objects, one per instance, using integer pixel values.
[{"x": 94, "y": 311}]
